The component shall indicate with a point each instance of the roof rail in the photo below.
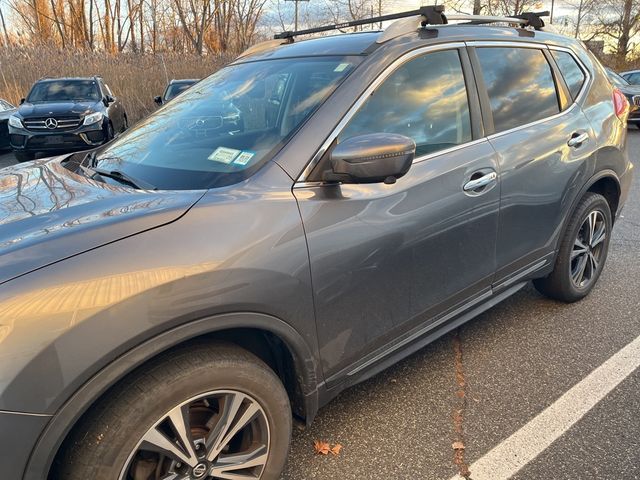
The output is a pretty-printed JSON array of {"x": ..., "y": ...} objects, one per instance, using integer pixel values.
[{"x": 264, "y": 46}]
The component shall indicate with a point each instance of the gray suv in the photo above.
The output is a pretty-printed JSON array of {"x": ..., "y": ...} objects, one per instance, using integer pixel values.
[{"x": 171, "y": 301}]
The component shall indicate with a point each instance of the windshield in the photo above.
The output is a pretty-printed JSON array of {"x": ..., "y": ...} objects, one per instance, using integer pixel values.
[
  {"x": 64, "y": 91},
  {"x": 617, "y": 79},
  {"x": 225, "y": 127},
  {"x": 176, "y": 89}
]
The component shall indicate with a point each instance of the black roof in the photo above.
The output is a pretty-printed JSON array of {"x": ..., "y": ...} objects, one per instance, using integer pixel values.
[{"x": 71, "y": 79}]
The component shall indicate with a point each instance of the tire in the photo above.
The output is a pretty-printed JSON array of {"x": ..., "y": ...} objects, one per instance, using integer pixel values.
[
  {"x": 24, "y": 156},
  {"x": 104, "y": 445},
  {"x": 576, "y": 254},
  {"x": 125, "y": 125}
]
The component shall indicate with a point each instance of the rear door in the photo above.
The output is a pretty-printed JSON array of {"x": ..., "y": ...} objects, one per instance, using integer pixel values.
[
  {"x": 390, "y": 261},
  {"x": 544, "y": 144}
]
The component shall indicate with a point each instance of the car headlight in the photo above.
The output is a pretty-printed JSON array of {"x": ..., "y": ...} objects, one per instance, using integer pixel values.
[
  {"x": 93, "y": 118},
  {"x": 15, "y": 121}
]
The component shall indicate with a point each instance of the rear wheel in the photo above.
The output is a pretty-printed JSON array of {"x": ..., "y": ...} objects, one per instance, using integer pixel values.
[
  {"x": 24, "y": 156},
  {"x": 206, "y": 412},
  {"x": 583, "y": 251}
]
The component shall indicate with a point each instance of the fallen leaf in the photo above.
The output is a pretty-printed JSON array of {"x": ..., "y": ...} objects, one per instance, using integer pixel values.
[
  {"x": 458, "y": 446},
  {"x": 336, "y": 449},
  {"x": 321, "y": 447}
]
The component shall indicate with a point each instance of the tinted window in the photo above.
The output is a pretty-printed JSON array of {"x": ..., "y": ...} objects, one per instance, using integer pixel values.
[
  {"x": 175, "y": 89},
  {"x": 64, "y": 91},
  {"x": 520, "y": 85},
  {"x": 425, "y": 99},
  {"x": 223, "y": 128},
  {"x": 572, "y": 73},
  {"x": 633, "y": 78}
]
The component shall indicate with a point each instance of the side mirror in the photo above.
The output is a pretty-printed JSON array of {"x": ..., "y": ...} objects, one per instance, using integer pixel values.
[
  {"x": 22, "y": 100},
  {"x": 108, "y": 100},
  {"x": 158, "y": 100},
  {"x": 371, "y": 158}
]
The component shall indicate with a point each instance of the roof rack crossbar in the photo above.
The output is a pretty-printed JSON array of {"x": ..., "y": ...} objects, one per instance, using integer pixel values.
[
  {"x": 529, "y": 19},
  {"x": 433, "y": 15}
]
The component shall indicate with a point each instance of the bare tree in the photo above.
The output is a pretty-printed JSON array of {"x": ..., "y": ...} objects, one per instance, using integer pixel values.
[{"x": 619, "y": 22}]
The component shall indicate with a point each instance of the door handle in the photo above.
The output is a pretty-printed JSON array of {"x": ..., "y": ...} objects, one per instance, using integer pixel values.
[
  {"x": 483, "y": 181},
  {"x": 577, "y": 140}
]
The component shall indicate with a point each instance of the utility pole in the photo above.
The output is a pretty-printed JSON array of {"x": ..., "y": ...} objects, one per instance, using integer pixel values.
[
  {"x": 4, "y": 27},
  {"x": 553, "y": 2},
  {"x": 295, "y": 22}
]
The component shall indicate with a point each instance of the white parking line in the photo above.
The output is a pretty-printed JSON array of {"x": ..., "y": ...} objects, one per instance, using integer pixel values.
[{"x": 515, "y": 452}]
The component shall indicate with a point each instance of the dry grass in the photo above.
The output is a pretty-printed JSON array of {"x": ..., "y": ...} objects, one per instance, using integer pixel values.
[{"x": 135, "y": 79}]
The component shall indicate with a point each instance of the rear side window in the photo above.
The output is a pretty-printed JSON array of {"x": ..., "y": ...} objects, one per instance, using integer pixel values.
[
  {"x": 520, "y": 85},
  {"x": 571, "y": 71},
  {"x": 425, "y": 99}
]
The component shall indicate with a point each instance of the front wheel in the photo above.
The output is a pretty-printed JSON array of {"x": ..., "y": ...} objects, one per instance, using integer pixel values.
[
  {"x": 583, "y": 251},
  {"x": 204, "y": 412}
]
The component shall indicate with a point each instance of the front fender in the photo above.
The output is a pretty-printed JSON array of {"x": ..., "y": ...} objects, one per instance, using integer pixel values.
[{"x": 60, "y": 424}]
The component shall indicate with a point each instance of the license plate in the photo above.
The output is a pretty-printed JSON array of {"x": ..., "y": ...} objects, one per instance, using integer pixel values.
[{"x": 55, "y": 139}]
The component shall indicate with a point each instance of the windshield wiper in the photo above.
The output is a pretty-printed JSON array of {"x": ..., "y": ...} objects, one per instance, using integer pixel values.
[
  {"x": 91, "y": 157},
  {"x": 118, "y": 176}
]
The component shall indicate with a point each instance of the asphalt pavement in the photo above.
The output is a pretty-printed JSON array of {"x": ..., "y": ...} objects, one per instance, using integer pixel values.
[
  {"x": 6, "y": 159},
  {"x": 489, "y": 381}
]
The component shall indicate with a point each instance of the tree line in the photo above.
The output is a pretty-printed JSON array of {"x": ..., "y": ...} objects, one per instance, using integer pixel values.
[{"x": 221, "y": 26}]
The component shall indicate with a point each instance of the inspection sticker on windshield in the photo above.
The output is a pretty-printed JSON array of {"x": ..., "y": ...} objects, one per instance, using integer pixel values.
[
  {"x": 224, "y": 155},
  {"x": 341, "y": 67},
  {"x": 244, "y": 158}
]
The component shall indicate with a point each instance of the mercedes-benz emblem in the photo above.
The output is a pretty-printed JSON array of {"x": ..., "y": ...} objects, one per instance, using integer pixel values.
[{"x": 51, "y": 123}]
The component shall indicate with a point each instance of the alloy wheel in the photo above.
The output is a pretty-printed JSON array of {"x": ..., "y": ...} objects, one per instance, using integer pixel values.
[
  {"x": 222, "y": 434},
  {"x": 588, "y": 248}
]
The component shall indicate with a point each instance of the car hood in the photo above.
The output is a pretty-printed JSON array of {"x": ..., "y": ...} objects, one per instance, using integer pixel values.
[
  {"x": 6, "y": 114},
  {"x": 48, "y": 213},
  {"x": 56, "y": 108}
]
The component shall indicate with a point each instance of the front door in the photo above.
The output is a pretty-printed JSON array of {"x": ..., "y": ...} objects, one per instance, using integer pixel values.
[{"x": 388, "y": 260}]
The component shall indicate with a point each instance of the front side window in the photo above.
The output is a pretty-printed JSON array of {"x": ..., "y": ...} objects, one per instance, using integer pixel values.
[
  {"x": 222, "y": 129},
  {"x": 424, "y": 99},
  {"x": 573, "y": 75},
  {"x": 64, "y": 91},
  {"x": 520, "y": 85}
]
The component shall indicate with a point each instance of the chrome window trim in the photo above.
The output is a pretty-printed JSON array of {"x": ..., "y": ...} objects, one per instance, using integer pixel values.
[
  {"x": 301, "y": 180},
  {"x": 477, "y": 141},
  {"x": 364, "y": 97}
]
